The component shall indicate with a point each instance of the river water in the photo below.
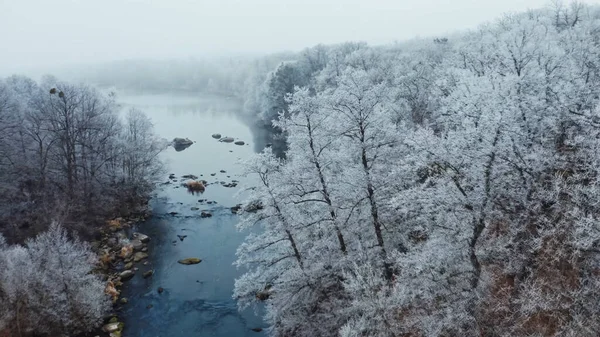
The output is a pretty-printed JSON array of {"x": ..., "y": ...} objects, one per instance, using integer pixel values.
[{"x": 197, "y": 299}]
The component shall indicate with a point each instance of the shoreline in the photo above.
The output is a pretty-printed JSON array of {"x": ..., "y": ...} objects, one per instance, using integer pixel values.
[{"x": 121, "y": 251}]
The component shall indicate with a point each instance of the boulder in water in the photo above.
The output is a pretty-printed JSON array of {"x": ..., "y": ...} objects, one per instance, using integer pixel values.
[
  {"x": 216, "y": 135},
  {"x": 111, "y": 327},
  {"x": 181, "y": 144},
  {"x": 235, "y": 209},
  {"x": 142, "y": 237},
  {"x": 227, "y": 140},
  {"x": 239, "y": 142},
  {"x": 139, "y": 256},
  {"x": 126, "y": 275},
  {"x": 190, "y": 260},
  {"x": 254, "y": 206},
  {"x": 195, "y": 186},
  {"x": 137, "y": 244}
]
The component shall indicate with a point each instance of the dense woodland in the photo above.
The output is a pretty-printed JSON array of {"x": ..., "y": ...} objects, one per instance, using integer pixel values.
[
  {"x": 66, "y": 153},
  {"x": 68, "y": 162},
  {"x": 446, "y": 187},
  {"x": 437, "y": 187}
]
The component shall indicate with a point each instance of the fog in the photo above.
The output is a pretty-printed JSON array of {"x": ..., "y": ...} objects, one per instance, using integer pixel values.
[{"x": 41, "y": 33}]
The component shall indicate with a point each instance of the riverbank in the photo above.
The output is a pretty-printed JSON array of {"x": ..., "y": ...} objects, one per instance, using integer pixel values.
[{"x": 122, "y": 252}]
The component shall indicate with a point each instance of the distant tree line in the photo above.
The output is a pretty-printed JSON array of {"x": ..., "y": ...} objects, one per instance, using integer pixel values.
[
  {"x": 67, "y": 154},
  {"x": 226, "y": 75},
  {"x": 443, "y": 187}
]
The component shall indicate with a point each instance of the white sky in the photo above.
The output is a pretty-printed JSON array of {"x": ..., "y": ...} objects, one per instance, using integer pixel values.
[{"x": 56, "y": 32}]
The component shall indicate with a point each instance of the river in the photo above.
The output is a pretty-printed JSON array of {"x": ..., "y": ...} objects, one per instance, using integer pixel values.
[{"x": 197, "y": 299}]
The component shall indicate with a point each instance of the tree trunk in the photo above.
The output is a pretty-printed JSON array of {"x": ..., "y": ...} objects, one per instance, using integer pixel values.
[{"x": 325, "y": 190}]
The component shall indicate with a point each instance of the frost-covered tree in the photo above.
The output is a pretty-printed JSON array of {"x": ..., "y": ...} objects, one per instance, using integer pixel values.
[
  {"x": 369, "y": 138},
  {"x": 462, "y": 176},
  {"x": 65, "y": 149},
  {"x": 16, "y": 289},
  {"x": 47, "y": 286},
  {"x": 290, "y": 268},
  {"x": 311, "y": 162},
  {"x": 140, "y": 148}
]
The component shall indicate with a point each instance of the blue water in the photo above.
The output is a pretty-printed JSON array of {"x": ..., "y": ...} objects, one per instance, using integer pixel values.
[{"x": 197, "y": 299}]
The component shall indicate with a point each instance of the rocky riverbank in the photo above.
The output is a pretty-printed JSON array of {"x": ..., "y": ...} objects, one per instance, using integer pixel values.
[{"x": 122, "y": 255}]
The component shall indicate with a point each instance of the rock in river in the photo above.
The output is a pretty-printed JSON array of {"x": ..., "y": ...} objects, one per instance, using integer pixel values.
[
  {"x": 142, "y": 237},
  {"x": 126, "y": 275},
  {"x": 227, "y": 140},
  {"x": 235, "y": 209},
  {"x": 205, "y": 215},
  {"x": 111, "y": 327},
  {"x": 195, "y": 186},
  {"x": 239, "y": 142},
  {"x": 139, "y": 256},
  {"x": 148, "y": 273},
  {"x": 181, "y": 144},
  {"x": 216, "y": 135},
  {"x": 191, "y": 260},
  {"x": 253, "y": 206},
  {"x": 137, "y": 244}
]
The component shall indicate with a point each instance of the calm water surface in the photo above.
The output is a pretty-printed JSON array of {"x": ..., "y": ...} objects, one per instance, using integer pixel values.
[{"x": 197, "y": 299}]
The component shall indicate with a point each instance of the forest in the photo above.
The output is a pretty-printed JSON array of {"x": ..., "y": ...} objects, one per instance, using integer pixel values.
[
  {"x": 68, "y": 163},
  {"x": 445, "y": 186}
]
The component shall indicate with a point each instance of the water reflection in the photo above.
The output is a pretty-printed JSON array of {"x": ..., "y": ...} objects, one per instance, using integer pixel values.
[{"x": 266, "y": 136}]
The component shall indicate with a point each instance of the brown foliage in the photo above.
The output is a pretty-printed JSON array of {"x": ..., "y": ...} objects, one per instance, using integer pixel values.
[
  {"x": 126, "y": 251},
  {"x": 112, "y": 291},
  {"x": 195, "y": 186}
]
